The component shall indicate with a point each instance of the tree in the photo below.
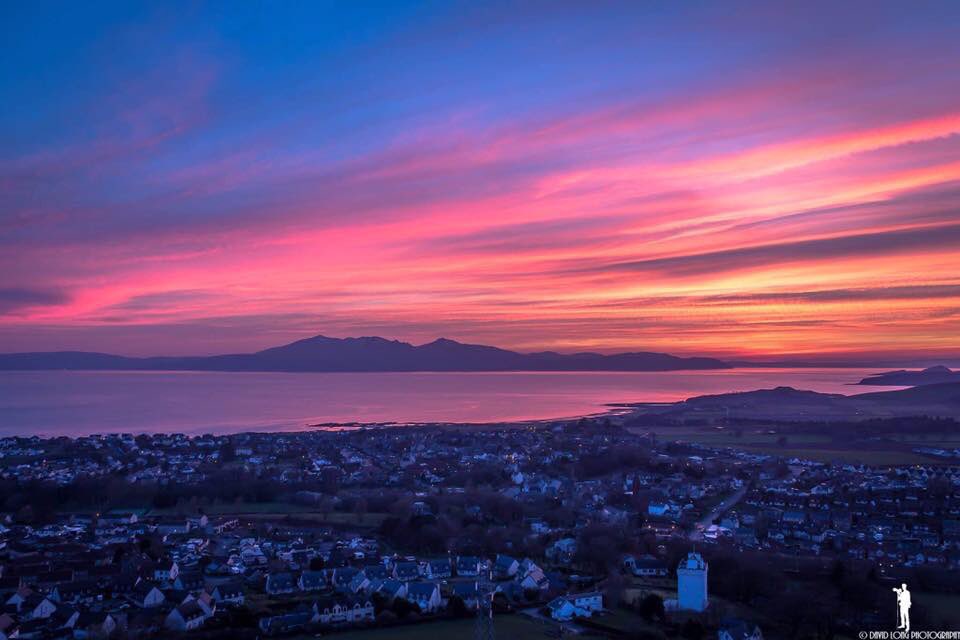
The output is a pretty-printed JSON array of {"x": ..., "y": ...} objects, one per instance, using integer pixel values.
[
  {"x": 651, "y": 608},
  {"x": 457, "y": 607},
  {"x": 228, "y": 452},
  {"x": 403, "y": 607},
  {"x": 386, "y": 617},
  {"x": 693, "y": 630},
  {"x": 837, "y": 573}
]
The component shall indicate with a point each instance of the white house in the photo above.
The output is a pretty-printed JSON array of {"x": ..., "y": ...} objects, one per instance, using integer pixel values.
[
  {"x": 591, "y": 601},
  {"x": 336, "y": 611},
  {"x": 188, "y": 616},
  {"x": 692, "y": 583},
  {"x": 532, "y": 577},
  {"x": 646, "y": 566},
  {"x": 576, "y": 605},
  {"x": 438, "y": 569},
  {"x": 147, "y": 595},
  {"x": 562, "y": 609},
  {"x": 425, "y": 595},
  {"x": 228, "y": 592},
  {"x": 166, "y": 572}
]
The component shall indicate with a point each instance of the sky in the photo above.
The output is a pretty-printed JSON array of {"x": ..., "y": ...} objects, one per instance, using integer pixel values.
[{"x": 733, "y": 179}]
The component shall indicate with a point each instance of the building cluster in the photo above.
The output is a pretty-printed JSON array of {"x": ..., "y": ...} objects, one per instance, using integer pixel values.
[
  {"x": 899, "y": 516},
  {"x": 297, "y": 532}
]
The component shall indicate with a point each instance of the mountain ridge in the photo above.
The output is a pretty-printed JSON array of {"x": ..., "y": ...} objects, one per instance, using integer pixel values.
[
  {"x": 787, "y": 404},
  {"x": 363, "y": 354}
]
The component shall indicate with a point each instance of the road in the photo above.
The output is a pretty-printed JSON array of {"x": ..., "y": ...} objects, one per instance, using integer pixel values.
[{"x": 716, "y": 512}]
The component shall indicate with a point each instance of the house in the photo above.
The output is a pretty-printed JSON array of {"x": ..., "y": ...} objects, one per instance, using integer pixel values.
[
  {"x": 280, "y": 583},
  {"x": 142, "y": 623},
  {"x": 376, "y": 572},
  {"x": 173, "y": 528},
  {"x": 746, "y": 536},
  {"x": 406, "y": 571},
  {"x": 532, "y": 578},
  {"x": 505, "y": 566},
  {"x": 37, "y": 607},
  {"x": 563, "y": 609},
  {"x": 167, "y": 571},
  {"x": 289, "y": 622},
  {"x": 74, "y": 592},
  {"x": 228, "y": 592},
  {"x": 794, "y": 517},
  {"x": 737, "y": 629},
  {"x": 18, "y": 597},
  {"x": 425, "y": 595},
  {"x": 358, "y": 583},
  {"x": 64, "y": 618},
  {"x": 343, "y": 576},
  {"x": 390, "y": 589},
  {"x": 189, "y": 581},
  {"x": 562, "y": 550},
  {"x": 468, "y": 592},
  {"x": 646, "y": 566},
  {"x": 468, "y": 566},
  {"x": 311, "y": 581},
  {"x": 438, "y": 569},
  {"x": 90, "y": 624},
  {"x": 186, "y": 617},
  {"x": 590, "y": 601},
  {"x": 539, "y": 526},
  {"x": 146, "y": 595},
  {"x": 662, "y": 509},
  {"x": 340, "y": 610}
]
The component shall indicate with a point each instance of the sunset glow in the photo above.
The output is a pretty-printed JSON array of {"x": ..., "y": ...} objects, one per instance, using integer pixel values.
[{"x": 220, "y": 180}]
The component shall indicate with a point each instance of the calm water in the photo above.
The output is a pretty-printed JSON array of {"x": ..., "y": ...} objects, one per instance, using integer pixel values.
[{"x": 82, "y": 402}]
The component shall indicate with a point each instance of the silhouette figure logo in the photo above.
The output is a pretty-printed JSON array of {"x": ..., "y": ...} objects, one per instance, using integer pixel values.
[{"x": 903, "y": 607}]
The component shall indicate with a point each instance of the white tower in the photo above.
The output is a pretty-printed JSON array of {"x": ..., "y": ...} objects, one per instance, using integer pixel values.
[{"x": 692, "y": 583}]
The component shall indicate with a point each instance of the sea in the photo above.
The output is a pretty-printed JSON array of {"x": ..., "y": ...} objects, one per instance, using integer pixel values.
[{"x": 75, "y": 403}]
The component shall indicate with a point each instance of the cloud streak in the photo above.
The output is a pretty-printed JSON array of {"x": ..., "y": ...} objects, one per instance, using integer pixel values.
[{"x": 673, "y": 180}]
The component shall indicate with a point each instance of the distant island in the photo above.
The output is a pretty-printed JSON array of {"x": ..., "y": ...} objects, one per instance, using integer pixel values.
[
  {"x": 904, "y": 378},
  {"x": 786, "y": 404},
  {"x": 369, "y": 354}
]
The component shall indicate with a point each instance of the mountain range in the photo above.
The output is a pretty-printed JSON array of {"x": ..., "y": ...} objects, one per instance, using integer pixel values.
[{"x": 321, "y": 353}]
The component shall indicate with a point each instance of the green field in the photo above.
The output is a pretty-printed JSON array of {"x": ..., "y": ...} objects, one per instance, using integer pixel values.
[
  {"x": 944, "y": 607},
  {"x": 258, "y": 510},
  {"x": 810, "y": 446},
  {"x": 235, "y": 508},
  {"x": 881, "y": 457}
]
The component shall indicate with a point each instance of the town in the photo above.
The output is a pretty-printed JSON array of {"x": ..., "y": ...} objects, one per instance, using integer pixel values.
[{"x": 535, "y": 530}]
